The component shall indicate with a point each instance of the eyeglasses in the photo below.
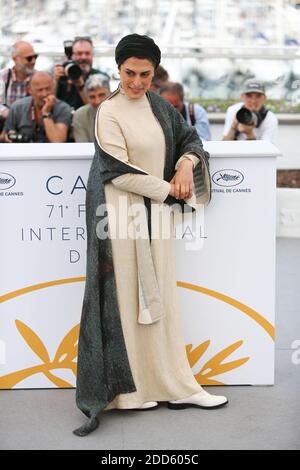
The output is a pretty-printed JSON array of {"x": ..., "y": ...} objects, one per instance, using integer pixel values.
[{"x": 30, "y": 58}]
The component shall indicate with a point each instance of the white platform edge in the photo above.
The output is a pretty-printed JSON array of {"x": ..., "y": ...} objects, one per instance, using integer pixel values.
[{"x": 79, "y": 151}]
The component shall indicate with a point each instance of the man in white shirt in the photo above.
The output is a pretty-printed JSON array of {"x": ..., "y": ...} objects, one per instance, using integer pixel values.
[{"x": 258, "y": 124}]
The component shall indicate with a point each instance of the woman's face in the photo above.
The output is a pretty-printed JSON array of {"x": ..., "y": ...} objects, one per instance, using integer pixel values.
[{"x": 136, "y": 76}]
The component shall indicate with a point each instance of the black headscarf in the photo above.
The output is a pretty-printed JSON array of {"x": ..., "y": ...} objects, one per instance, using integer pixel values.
[{"x": 135, "y": 45}]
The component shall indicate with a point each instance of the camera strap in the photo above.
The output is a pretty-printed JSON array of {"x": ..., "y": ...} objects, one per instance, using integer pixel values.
[
  {"x": 2, "y": 119},
  {"x": 191, "y": 110},
  {"x": 192, "y": 113},
  {"x": 36, "y": 127},
  {"x": 7, "y": 85},
  {"x": 261, "y": 115}
]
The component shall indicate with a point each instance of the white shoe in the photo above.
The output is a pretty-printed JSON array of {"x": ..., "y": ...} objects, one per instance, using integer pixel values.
[
  {"x": 202, "y": 399},
  {"x": 149, "y": 405}
]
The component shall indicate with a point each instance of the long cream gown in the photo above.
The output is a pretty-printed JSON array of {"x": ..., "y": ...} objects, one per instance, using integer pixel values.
[{"x": 127, "y": 129}]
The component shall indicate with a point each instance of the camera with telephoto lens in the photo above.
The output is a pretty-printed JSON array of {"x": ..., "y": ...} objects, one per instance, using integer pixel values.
[
  {"x": 72, "y": 69},
  {"x": 17, "y": 138},
  {"x": 247, "y": 117}
]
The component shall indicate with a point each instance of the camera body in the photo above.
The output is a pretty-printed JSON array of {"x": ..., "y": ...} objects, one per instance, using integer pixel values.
[
  {"x": 17, "y": 138},
  {"x": 71, "y": 67}
]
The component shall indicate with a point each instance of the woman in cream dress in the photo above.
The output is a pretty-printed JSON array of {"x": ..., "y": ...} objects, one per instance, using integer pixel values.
[{"x": 132, "y": 142}]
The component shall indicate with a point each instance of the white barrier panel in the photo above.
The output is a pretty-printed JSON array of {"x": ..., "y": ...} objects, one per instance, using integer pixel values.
[
  {"x": 288, "y": 212},
  {"x": 226, "y": 287}
]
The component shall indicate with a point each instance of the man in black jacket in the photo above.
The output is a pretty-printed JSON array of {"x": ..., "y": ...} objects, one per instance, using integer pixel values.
[{"x": 72, "y": 90}]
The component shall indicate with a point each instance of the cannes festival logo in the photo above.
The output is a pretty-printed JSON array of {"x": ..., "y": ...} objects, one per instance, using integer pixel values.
[
  {"x": 7, "y": 181},
  {"x": 227, "y": 177}
]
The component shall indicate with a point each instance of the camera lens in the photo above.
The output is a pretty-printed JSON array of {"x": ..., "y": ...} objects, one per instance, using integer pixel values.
[
  {"x": 73, "y": 71},
  {"x": 247, "y": 117},
  {"x": 244, "y": 116}
]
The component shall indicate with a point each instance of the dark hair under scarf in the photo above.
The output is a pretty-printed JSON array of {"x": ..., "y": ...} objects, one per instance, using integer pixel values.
[{"x": 135, "y": 45}]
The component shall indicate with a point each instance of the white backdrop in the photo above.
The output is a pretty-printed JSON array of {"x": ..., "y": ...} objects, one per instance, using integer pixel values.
[{"x": 226, "y": 287}]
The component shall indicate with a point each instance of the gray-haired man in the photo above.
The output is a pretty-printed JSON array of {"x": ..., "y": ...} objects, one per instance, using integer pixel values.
[
  {"x": 97, "y": 90},
  {"x": 14, "y": 81}
]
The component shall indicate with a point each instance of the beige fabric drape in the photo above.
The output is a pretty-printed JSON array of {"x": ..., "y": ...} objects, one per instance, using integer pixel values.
[{"x": 128, "y": 130}]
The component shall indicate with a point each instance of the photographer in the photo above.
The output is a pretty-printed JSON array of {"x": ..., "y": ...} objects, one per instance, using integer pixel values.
[
  {"x": 194, "y": 114},
  {"x": 250, "y": 120},
  {"x": 14, "y": 80},
  {"x": 71, "y": 76},
  {"x": 39, "y": 117}
]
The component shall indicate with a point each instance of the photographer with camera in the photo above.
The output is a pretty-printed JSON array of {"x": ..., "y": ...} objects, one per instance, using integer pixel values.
[
  {"x": 14, "y": 80},
  {"x": 71, "y": 76},
  {"x": 250, "y": 120},
  {"x": 39, "y": 117}
]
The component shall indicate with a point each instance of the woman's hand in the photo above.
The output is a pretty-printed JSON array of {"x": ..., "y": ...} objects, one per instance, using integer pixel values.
[{"x": 182, "y": 181}]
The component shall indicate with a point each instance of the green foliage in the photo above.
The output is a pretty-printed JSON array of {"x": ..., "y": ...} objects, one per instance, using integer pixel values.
[{"x": 277, "y": 106}]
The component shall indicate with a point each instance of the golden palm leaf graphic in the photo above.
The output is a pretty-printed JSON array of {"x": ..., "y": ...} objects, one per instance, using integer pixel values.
[
  {"x": 215, "y": 365},
  {"x": 33, "y": 341},
  {"x": 66, "y": 352}
]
